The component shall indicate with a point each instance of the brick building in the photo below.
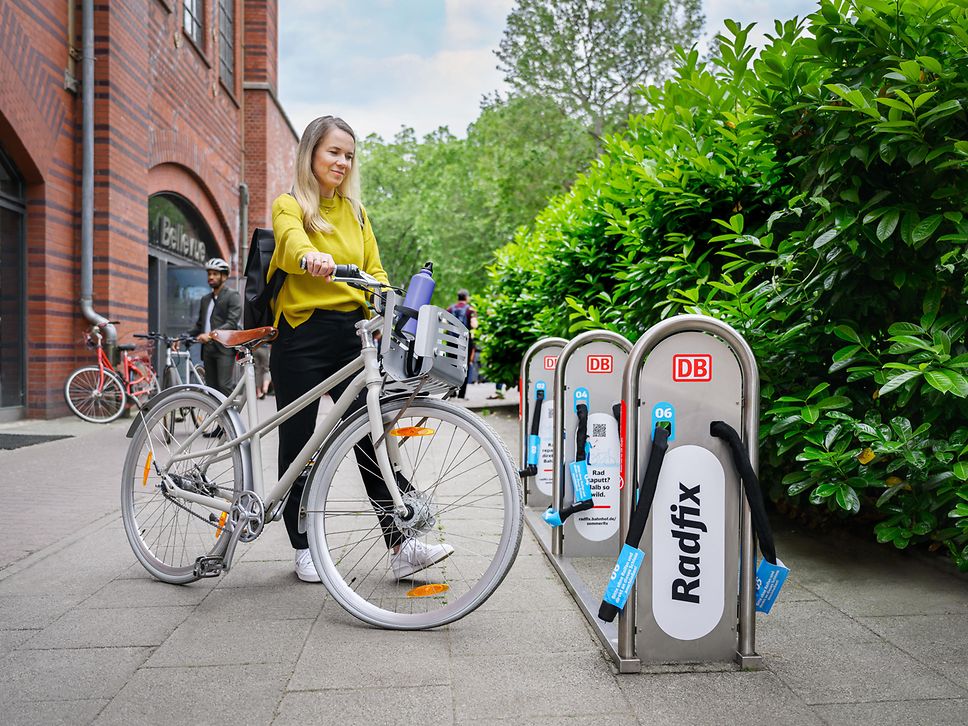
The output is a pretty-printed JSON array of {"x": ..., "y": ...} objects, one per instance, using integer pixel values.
[{"x": 190, "y": 145}]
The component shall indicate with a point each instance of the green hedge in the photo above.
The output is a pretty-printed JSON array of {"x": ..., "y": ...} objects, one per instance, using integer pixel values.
[{"x": 815, "y": 199}]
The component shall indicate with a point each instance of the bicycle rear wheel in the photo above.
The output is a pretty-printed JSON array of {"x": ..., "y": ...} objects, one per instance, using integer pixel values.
[
  {"x": 168, "y": 534},
  {"x": 144, "y": 381},
  {"x": 465, "y": 495},
  {"x": 94, "y": 395}
]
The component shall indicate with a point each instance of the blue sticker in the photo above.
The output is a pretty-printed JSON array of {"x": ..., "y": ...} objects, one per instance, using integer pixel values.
[
  {"x": 623, "y": 575},
  {"x": 581, "y": 396},
  {"x": 579, "y": 481},
  {"x": 664, "y": 413},
  {"x": 539, "y": 386},
  {"x": 534, "y": 448},
  {"x": 769, "y": 580}
]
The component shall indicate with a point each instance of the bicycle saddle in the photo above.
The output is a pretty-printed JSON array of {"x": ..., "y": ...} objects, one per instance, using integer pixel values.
[{"x": 251, "y": 338}]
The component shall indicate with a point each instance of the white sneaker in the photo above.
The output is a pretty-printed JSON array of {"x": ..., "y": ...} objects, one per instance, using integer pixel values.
[
  {"x": 305, "y": 569},
  {"x": 415, "y": 556}
]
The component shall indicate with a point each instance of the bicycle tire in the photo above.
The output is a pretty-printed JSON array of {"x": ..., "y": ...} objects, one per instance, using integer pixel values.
[
  {"x": 168, "y": 536},
  {"x": 94, "y": 396},
  {"x": 463, "y": 475},
  {"x": 172, "y": 378}
]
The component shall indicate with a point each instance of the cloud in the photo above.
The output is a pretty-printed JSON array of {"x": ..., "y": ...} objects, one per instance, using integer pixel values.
[
  {"x": 753, "y": 11},
  {"x": 383, "y": 64}
]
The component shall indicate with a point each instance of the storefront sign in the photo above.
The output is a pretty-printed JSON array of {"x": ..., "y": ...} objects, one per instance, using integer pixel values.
[{"x": 177, "y": 228}]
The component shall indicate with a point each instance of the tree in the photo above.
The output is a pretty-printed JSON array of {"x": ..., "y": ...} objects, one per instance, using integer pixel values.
[{"x": 591, "y": 55}]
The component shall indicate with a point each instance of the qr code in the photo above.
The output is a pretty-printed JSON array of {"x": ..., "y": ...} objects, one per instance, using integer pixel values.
[{"x": 598, "y": 430}]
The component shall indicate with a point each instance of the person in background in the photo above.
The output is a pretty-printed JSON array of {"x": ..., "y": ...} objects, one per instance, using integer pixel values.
[
  {"x": 467, "y": 315},
  {"x": 319, "y": 225},
  {"x": 221, "y": 309}
]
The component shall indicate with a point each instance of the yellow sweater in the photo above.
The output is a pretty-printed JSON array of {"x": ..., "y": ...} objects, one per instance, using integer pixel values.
[{"x": 349, "y": 244}]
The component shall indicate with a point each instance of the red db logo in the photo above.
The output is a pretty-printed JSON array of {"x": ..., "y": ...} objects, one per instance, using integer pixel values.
[
  {"x": 550, "y": 362},
  {"x": 599, "y": 364},
  {"x": 696, "y": 367}
]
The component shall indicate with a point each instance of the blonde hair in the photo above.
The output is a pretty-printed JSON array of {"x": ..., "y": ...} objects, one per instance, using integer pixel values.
[{"x": 306, "y": 187}]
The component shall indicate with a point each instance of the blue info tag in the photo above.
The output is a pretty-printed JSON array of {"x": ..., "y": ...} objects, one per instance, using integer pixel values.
[
  {"x": 623, "y": 576},
  {"x": 769, "y": 580},
  {"x": 579, "y": 481},
  {"x": 534, "y": 446}
]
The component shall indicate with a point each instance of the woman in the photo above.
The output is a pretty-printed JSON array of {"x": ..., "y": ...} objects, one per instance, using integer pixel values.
[{"x": 319, "y": 225}]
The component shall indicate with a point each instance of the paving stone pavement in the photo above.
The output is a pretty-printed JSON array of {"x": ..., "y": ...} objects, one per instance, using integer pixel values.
[{"x": 861, "y": 634}]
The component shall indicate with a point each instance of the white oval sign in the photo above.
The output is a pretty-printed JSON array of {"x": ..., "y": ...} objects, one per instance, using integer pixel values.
[
  {"x": 689, "y": 543},
  {"x": 604, "y": 472}
]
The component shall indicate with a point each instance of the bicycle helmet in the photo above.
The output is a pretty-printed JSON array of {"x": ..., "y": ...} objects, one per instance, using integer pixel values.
[{"x": 217, "y": 264}]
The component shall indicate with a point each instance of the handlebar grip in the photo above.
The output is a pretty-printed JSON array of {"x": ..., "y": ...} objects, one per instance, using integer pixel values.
[
  {"x": 142, "y": 335},
  {"x": 346, "y": 271}
]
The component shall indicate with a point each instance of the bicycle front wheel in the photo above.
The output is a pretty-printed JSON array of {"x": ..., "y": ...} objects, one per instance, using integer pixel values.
[
  {"x": 458, "y": 479},
  {"x": 167, "y": 533},
  {"x": 94, "y": 395}
]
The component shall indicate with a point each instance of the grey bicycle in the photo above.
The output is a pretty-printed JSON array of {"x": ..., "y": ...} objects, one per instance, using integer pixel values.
[{"x": 192, "y": 486}]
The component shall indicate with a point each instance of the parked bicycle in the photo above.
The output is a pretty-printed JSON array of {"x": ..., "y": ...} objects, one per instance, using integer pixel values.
[
  {"x": 190, "y": 493},
  {"x": 178, "y": 368},
  {"x": 100, "y": 393}
]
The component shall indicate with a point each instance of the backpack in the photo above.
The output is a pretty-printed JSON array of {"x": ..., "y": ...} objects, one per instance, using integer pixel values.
[
  {"x": 464, "y": 313},
  {"x": 259, "y": 294}
]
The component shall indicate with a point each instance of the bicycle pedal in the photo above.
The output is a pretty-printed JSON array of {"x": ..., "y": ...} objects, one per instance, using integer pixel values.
[{"x": 209, "y": 566}]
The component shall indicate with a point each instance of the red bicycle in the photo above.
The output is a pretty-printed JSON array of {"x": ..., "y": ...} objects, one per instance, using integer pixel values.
[{"x": 100, "y": 393}]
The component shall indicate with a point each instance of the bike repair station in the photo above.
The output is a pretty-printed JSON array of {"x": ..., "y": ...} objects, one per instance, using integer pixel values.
[{"x": 640, "y": 485}]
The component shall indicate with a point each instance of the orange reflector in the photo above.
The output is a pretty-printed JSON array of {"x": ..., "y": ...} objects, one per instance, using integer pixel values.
[
  {"x": 221, "y": 524},
  {"x": 412, "y": 431},
  {"x": 428, "y": 590},
  {"x": 144, "y": 480}
]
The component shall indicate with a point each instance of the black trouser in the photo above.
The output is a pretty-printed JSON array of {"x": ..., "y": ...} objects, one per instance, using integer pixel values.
[
  {"x": 301, "y": 358},
  {"x": 219, "y": 365}
]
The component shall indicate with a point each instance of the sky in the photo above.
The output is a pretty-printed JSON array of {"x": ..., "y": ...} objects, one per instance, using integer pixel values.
[{"x": 387, "y": 64}]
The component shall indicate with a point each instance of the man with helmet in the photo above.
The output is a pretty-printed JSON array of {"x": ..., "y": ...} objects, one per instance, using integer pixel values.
[{"x": 219, "y": 310}]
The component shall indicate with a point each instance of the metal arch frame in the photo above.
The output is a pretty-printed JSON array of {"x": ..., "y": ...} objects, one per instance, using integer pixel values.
[
  {"x": 523, "y": 390},
  {"x": 746, "y": 654},
  {"x": 557, "y": 464},
  {"x": 587, "y": 599}
]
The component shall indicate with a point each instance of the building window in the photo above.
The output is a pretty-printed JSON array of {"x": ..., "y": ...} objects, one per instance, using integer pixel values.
[
  {"x": 226, "y": 42},
  {"x": 194, "y": 15}
]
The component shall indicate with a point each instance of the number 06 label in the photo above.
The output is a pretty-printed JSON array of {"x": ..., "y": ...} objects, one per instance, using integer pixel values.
[{"x": 664, "y": 413}]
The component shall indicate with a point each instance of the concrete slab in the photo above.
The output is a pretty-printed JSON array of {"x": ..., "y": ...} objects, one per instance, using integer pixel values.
[
  {"x": 27, "y": 611},
  {"x": 200, "y": 640},
  {"x": 147, "y": 592},
  {"x": 299, "y": 602},
  {"x": 111, "y": 628},
  {"x": 368, "y": 705},
  {"x": 851, "y": 672},
  {"x": 529, "y": 686},
  {"x": 932, "y": 639},
  {"x": 341, "y": 653},
  {"x": 537, "y": 632},
  {"x": 79, "y": 674},
  {"x": 74, "y": 712},
  {"x": 943, "y": 712},
  {"x": 748, "y": 698},
  {"x": 199, "y": 696}
]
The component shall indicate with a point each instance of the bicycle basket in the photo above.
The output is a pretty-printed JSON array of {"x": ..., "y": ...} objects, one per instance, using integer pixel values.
[{"x": 437, "y": 354}]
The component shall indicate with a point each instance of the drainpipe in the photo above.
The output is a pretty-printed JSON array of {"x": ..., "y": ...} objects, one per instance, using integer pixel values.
[
  {"x": 243, "y": 231},
  {"x": 87, "y": 179}
]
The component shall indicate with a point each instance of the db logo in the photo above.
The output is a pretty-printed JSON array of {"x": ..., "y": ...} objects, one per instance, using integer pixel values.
[
  {"x": 599, "y": 364},
  {"x": 696, "y": 367},
  {"x": 550, "y": 361}
]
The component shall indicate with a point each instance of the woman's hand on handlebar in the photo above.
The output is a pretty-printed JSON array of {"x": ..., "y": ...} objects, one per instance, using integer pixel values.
[{"x": 318, "y": 264}]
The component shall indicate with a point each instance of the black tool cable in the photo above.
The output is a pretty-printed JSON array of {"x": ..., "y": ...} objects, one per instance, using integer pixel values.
[
  {"x": 539, "y": 397},
  {"x": 581, "y": 440},
  {"x": 751, "y": 485},
  {"x": 640, "y": 514}
]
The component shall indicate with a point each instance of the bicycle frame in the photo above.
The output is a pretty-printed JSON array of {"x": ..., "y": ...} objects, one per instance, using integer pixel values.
[
  {"x": 366, "y": 374},
  {"x": 127, "y": 367}
]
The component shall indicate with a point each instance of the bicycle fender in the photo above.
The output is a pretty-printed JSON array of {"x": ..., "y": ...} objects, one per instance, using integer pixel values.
[
  {"x": 230, "y": 412},
  {"x": 343, "y": 424}
]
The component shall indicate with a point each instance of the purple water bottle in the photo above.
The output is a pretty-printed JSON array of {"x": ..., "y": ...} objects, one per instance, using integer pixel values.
[{"x": 419, "y": 292}]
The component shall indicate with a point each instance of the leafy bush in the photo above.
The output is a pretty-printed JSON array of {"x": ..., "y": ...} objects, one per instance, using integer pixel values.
[{"x": 814, "y": 199}]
